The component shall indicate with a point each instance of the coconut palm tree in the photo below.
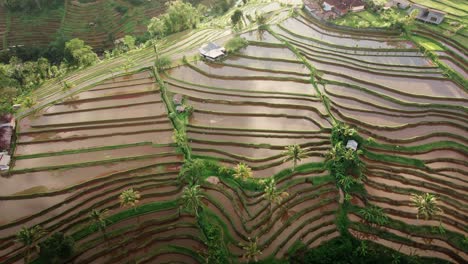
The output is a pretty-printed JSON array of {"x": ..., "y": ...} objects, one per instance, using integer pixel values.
[
  {"x": 191, "y": 199},
  {"x": 294, "y": 153},
  {"x": 272, "y": 194},
  {"x": 28, "y": 237},
  {"x": 99, "y": 220},
  {"x": 129, "y": 198},
  {"x": 251, "y": 250},
  {"x": 426, "y": 204},
  {"x": 242, "y": 171}
]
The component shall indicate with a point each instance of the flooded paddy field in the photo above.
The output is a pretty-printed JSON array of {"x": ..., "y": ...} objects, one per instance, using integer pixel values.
[{"x": 290, "y": 85}]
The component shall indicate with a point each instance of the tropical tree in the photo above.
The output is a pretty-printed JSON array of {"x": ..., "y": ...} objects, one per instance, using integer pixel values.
[
  {"x": 191, "y": 171},
  {"x": 236, "y": 44},
  {"x": 341, "y": 132},
  {"x": 129, "y": 42},
  {"x": 260, "y": 19},
  {"x": 272, "y": 194},
  {"x": 99, "y": 220},
  {"x": 251, "y": 250},
  {"x": 374, "y": 214},
  {"x": 28, "y": 237},
  {"x": 162, "y": 63},
  {"x": 426, "y": 204},
  {"x": 236, "y": 17},
  {"x": 191, "y": 199},
  {"x": 179, "y": 16},
  {"x": 78, "y": 54},
  {"x": 294, "y": 153},
  {"x": 129, "y": 198},
  {"x": 56, "y": 248},
  {"x": 242, "y": 171}
]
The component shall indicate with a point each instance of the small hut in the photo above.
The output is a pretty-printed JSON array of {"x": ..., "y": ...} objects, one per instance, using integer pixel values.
[{"x": 352, "y": 144}]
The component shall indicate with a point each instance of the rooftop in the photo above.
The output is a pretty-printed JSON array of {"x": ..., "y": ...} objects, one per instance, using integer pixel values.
[
  {"x": 352, "y": 144},
  {"x": 344, "y": 5},
  {"x": 212, "y": 50},
  {"x": 177, "y": 99}
]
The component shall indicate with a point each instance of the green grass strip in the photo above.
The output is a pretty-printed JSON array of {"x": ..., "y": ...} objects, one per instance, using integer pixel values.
[
  {"x": 420, "y": 148},
  {"x": 395, "y": 159},
  {"x": 76, "y": 151},
  {"x": 115, "y": 218}
]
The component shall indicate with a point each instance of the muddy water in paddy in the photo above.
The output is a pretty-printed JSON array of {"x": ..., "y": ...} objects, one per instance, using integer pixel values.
[
  {"x": 116, "y": 85},
  {"x": 260, "y": 35},
  {"x": 351, "y": 94},
  {"x": 367, "y": 61},
  {"x": 269, "y": 52},
  {"x": 390, "y": 195},
  {"x": 296, "y": 26},
  {"x": 424, "y": 87},
  {"x": 263, "y": 123},
  {"x": 407, "y": 58},
  {"x": 89, "y": 156},
  {"x": 376, "y": 119},
  {"x": 59, "y": 179},
  {"x": 21, "y": 208},
  {"x": 259, "y": 110},
  {"x": 189, "y": 75},
  {"x": 112, "y": 92},
  {"x": 114, "y": 114},
  {"x": 268, "y": 65},
  {"x": 274, "y": 140},
  {"x": 229, "y": 71},
  {"x": 462, "y": 72},
  {"x": 98, "y": 131},
  {"x": 114, "y": 102},
  {"x": 405, "y": 97},
  {"x": 164, "y": 137},
  {"x": 272, "y": 99}
]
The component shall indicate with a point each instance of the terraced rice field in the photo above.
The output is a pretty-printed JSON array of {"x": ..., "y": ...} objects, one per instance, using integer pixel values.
[
  {"x": 288, "y": 86},
  {"x": 39, "y": 30},
  {"x": 81, "y": 153},
  {"x": 98, "y": 23},
  {"x": 417, "y": 115}
]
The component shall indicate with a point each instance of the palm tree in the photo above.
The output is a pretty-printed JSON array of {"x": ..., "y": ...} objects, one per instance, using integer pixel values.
[
  {"x": 426, "y": 204},
  {"x": 28, "y": 237},
  {"x": 191, "y": 199},
  {"x": 294, "y": 153},
  {"x": 251, "y": 250},
  {"x": 99, "y": 220},
  {"x": 242, "y": 171},
  {"x": 272, "y": 194},
  {"x": 130, "y": 198}
]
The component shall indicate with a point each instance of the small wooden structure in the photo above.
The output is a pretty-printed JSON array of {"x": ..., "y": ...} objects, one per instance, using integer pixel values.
[
  {"x": 352, "y": 144},
  {"x": 428, "y": 15},
  {"x": 211, "y": 51}
]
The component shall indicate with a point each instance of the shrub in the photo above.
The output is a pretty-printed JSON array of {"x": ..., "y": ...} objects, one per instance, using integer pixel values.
[
  {"x": 236, "y": 44},
  {"x": 56, "y": 248},
  {"x": 162, "y": 63}
]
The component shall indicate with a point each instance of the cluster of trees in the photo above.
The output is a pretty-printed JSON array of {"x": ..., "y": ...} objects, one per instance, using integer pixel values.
[
  {"x": 344, "y": 163},
  {"x": 58, "y": 247},
  {"x": 18, "y": 77},
  {"x": 236, "y": 44},
  {"x": 178, "y": 17}
]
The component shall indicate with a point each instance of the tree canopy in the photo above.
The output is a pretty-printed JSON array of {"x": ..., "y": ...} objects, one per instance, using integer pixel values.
[
  {"x": 78, "y": 54},
  {"x": 56, "y": 248},
  {"x": 178, "y": 17}
]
